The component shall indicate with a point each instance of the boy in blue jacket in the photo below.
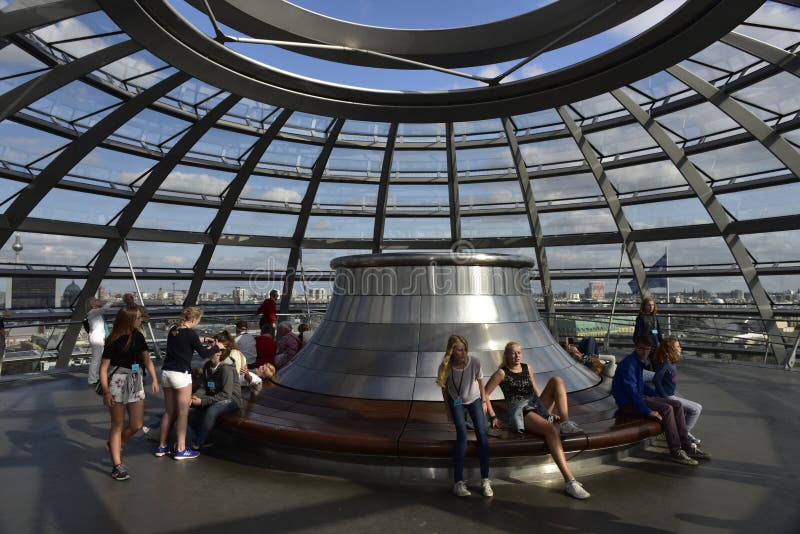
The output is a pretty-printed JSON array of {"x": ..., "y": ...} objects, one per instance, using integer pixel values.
[{"x": 635, "y": 397}]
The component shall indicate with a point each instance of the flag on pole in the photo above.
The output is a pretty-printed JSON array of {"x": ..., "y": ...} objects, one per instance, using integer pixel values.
[{"x": 652, "y": 282}]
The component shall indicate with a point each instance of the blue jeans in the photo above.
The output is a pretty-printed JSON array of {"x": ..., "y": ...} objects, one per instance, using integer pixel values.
[
  {"x": 202, "y": 419},
  {"x": 588, "y": 345},
  {"x": 475, "y": 411}
]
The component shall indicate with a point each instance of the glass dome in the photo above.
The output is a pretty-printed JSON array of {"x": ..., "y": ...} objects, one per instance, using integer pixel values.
[{"x": 672, "y": 148}]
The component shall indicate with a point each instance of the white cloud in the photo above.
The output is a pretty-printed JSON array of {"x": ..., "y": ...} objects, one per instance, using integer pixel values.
[
  {"x": 648, "y": 19},
  {"x": 201, "y": 183}
]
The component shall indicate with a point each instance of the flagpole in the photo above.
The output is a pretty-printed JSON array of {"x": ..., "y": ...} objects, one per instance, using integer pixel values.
[{"x": 666, "y": 267}]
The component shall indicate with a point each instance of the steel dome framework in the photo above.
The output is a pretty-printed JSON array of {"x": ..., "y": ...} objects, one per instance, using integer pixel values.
[{"x": 687, "y": 134}]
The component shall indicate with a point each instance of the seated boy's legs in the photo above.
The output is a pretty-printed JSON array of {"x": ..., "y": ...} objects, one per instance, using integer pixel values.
[
  {"x": 673, "y": 421},
  {"x": 588, "y": 345},
  {"x": 210, "y": 419}
]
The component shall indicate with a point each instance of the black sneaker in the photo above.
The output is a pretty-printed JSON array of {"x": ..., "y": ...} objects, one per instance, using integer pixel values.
[{"x": 120, "y": 473}]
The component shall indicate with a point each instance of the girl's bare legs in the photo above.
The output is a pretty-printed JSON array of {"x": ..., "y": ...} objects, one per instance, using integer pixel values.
[
  {"x": 115, "y": 433},
  {"x": 135, "y": 420},
  {"x": 536, "y": 425},
  {"x": 170, "y": 410},
  {"x": 183, "y": 397},
  {"x": 555, "y": 395}
]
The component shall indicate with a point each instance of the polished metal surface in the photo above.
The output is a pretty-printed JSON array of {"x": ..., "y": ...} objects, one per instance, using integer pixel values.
[{"x": 386, "y": 330}]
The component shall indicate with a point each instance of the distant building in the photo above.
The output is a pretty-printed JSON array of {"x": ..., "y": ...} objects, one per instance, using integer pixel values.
[
  {"x": 317, "y": 294},
  {"x": 70, "y": 294},
  {"x": 33, "y": 292},
  {"x": 595, "y": 291},
  {"x": 239, "y": 295}
]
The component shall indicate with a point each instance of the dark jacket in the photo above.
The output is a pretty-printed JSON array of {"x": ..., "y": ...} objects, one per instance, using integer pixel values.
[
  {"x": 628, "y": 386},
  {"x": 219, "y": 385},
  {"x": 665, "y": 379},
  {"x": 645, "y": 324}
]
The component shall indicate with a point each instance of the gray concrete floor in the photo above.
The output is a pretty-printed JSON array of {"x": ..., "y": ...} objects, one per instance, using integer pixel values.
[{"x": 54, "y": 476}]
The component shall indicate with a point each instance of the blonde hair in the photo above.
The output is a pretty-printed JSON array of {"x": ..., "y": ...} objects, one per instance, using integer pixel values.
[
  {"x": 447, "y": 360},
  {"x": 187, "y": 316},
  {"x": 667, "y": 350},
  {"x": 507, "y": 353},
  {"x": 645, "y": 301}
]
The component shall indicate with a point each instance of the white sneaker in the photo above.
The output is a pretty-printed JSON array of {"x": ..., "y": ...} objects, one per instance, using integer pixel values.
[
  {"x": 575, "y": 489},
  {"x": 486, "y": 488},
  {"x": 460, "y": 489}
]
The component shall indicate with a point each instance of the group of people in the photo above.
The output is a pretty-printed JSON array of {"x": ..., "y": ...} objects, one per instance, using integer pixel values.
[
  {"x": 192, "y": 399},
  {"x": 545, "y": 413}
]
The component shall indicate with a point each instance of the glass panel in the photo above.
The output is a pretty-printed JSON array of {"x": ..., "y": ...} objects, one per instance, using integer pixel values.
[
  {"x": 82, "y": 29},
  {"x": 417, "y": 228},
  {"x": 586, "y": 257},
  {"x": 739, "y": 160},
  {"x": 15, "y": 62},
  {"x": 420, "y": 133},
  {"x": 157, "y": 254},
  {"x": 77, "y": 102},
  {"x": 778, "y": 93},
  {"x": 577, "y": 222},
  {"x": 276, "y": 191},
  {"x": 352, "y": 161},
  {"x": 781, "y": 38},
  {"x": 485, "y": 129},
  {"x": 364, "y": 131},
  {"x": 333, "y": 195},
  {"x": 251, "y": 259},
  {"x": 254, "y": 223},
  {"x": 686, "y": 252},
  {"x": 110, "y": 166},
  {"x": 491, "y": 194},
  {"x": 707, "y": 73},
  {"x": 320, "y": 226},
  {"x": 307, "y": 124},
  {"x": 725, "y": 57},
  {"x": 250, "y": 112},
  {"x": 483, "y": 159},
  {"x": 292, "y": 156},
  {"x": 782, "y": 289},
  {"x": 194, "y": 96},
  {"x": 136, "y": 67},
  {"x": 419, "y": 164},
  {"x": 8, "y": 188},
  {"x": 222, "y": 292},
  {"x": 565, "y": 188},
  {"x": 547, "y": 152},
  {"x": 49, "y": 249},
  {"x": 174, "y": 217},
  {"x": 581, "y": 290},
  {"x": 25, "y": 146},
  {"x": 63, "y": 205},
  {"x": 598, "y": 105},
  {"x": 663, "y": 214},
  {"x": 544, "y": 120},
  {"x": 628, "y": 138},
  {"x": 223, "y": 145},
  {"x": 660, "y": 85},
  {"x": 704, "y": 290},
  {"x": 698, "y": 121},
  {"x": 319, "y": 260},
  {"x": 495, "y": 226},
  {"x": 155, "y": 131},
  {"x": 773, "y": 247},
  {"x": 411, "y": 196},
  {"x": 775, "y": 201},
  {"x": 165, "y": 292},
  {"x": 195, "y": 181},
  {"x": 661, "y": 174}
]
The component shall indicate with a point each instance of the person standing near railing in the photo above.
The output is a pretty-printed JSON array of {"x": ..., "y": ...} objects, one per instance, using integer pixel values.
[
  {"x": 269, "y": 311},
  {"x": 98, "y": 331},
  {"x": 647, "y": 325}
]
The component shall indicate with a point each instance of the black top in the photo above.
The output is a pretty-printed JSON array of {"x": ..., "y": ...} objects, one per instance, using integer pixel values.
[
  {"x": 517, "y": 386},
  {"x": 181, "y": 344},
  {"x": 122, "y": 357}
]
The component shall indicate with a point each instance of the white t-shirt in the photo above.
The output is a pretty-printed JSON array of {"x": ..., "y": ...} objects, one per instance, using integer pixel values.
[
  {"x": 463, "y": 383},
  {"x": 247, "y": 344}
]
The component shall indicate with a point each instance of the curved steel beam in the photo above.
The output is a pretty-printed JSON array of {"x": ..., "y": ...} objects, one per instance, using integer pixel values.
[
  {"x": 764, "y": 51},
  {"x": 534, "y": 223},
  {"x": 452, "y": 186},
  {"x": 164, "y": 32},
  {"x": 226, "y": 207},
  {"x": 716, "y": 211},
  {"x": 28, "y": 93},
  {"x": 383, "y": 190},
  {"x": 483, "y": 44},
  {"x": 42, "y": 12},
  {"x": 769, "y": 138},
  {"x": 305, "y": 212},
  {"x": 611, "y": 197},
  {"x": 80, "y": 148}
]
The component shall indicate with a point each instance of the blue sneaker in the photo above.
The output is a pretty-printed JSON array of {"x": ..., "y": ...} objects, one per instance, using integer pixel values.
[
  {"x": 186, "y": 454},
  {"x": 161, "y": 451}
]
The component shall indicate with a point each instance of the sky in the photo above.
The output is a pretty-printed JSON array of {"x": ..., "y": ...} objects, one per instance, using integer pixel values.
[{"x": 28, "y": 146}]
